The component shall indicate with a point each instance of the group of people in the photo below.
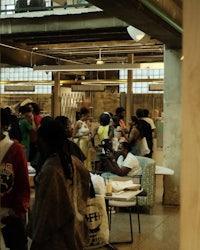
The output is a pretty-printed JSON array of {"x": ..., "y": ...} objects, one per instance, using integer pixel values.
[
  {"x": 61, "y": 155},
  {"x": 62, "y": 187},
  {"x": 23, "y": 127},
  {"x": 119, "y": 138}
]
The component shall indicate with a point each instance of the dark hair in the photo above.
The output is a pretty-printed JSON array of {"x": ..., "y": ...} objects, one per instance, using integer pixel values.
[
  {"x": 46, "y": 119},
  {"x": 138, "y": 126},
  {"x": 24, "y": 109},
  {"x": 14, "y": 131},
  {"x": 145, "y": 112},
  {"x": 53, "y": 134},
  {"x": 115, "y": 120},
  {"x": 62, "y": 120},
  {"x": 126, "y": 145},
  {"x": 134, "y": 119},
  {"x": 104, "y": 119},
  {"x": 84, "y": 111},
  {"x": 119, "y": 110},
  {"x": 139, "y": 113},
  {"x": 5, "y": 118},
  {"x": 8, "y": 110},
  {"x": 78, "y": 115},
  {"x": 111, "y": 114},
  {"x": 35, "y": 107}
]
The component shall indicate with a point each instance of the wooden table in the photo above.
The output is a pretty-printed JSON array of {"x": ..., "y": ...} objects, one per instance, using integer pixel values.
[{"x": 124, "y": 195}]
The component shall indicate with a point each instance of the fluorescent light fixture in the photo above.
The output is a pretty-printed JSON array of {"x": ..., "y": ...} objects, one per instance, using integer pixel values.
[
  {"x": 156, "y": 87},
  {"x": 12, "y": 88},
  {"x": 102, "y": 82},
  {"x": 88, "y": 67},
  {"x": 138, "y": 35},
  {"x": 93, "y": 88}
]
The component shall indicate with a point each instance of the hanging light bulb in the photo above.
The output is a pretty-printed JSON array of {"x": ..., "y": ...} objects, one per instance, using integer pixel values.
[
  {"x": 99, "y": 61},
  {"x": 138, "y": 35}
]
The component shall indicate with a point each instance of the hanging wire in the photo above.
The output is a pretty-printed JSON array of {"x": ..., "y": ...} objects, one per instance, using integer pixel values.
[{"x": 39, "y": 54}]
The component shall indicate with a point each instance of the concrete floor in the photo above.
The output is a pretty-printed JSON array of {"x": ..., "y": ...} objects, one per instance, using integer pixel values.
[{"x": 159, "y": 230}]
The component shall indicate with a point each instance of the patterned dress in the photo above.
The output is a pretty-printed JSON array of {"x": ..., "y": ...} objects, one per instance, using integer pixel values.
[
  {"x": 83, "y": 143},
  {"x": 57, "y": 221}
]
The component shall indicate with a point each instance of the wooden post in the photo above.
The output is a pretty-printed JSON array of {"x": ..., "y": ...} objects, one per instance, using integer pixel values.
[
  {"x": 129, "y": 95},
  {"x": 190, "y": 165},
  {"x": 56, "y": 95}
]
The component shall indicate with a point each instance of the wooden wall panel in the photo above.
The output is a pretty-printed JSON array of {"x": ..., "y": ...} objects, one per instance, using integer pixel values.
[
  {"x": 190, "y": 164},
  {"x": 14, "y": 100}
]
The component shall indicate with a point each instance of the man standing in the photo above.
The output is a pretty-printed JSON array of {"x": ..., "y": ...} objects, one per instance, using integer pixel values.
[
  {"x": 15, "y": 188},
  {"x": 148, "y": 119},
  {"x": 26, "y": 124}
]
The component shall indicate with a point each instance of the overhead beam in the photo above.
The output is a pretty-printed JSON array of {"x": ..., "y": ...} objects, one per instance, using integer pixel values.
[
  {"x": 136, "y": 14},
  {"x": 170, "y": 8},
  {"x": 63, "y": 23}
]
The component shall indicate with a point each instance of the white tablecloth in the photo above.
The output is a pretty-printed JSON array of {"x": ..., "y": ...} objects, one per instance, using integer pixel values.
[{"x": 160, "y": 170}]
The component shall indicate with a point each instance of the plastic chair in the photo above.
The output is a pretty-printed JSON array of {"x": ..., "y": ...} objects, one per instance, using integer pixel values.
[{"x": 129, "y": 205}]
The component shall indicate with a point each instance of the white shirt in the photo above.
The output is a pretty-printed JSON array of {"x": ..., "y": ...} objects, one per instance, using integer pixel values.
[
  {"x": 83, "y": 129},
  {"x": 150, "y": 121},
  {"x": 130, "y": 162}
]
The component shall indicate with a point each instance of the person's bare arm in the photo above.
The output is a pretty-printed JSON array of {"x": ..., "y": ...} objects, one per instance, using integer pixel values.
[
  {"x": 114, "y": 168},
  {"x": 111, "y": 133},
  {"x": 75, "y": 131},
  {"x": 133, "y": 135},
  {"x": 93, "y": 136},
  {"x": 32, "y": 121}
]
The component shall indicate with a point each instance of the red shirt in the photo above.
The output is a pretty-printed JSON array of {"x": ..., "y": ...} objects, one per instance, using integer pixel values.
[
  {"x": 33, "y": 133},
  {"x": 13, "y": 170}
]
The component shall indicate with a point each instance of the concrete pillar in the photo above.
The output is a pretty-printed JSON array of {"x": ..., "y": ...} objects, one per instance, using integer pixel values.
[
  {"x": 172, "y": 125},
  {"x": 56, "y": 95}
]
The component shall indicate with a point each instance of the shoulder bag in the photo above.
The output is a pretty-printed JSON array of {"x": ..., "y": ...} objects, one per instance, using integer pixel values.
[{"x": 96, "y": 220}]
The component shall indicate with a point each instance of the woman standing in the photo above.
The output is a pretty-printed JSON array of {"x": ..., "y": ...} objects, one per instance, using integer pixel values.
[
  {"x": 135, "y": 135},
  {"x": 82, "y": 134},
  {"x": 71, "y": 146},
  {"x": 118, "y": 135},
  {"x": 62, "y": 189},
  {"x": 103, "y": 131}
]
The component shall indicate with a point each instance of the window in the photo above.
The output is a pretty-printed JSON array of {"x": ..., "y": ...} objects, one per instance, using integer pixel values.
[
  {"x": 141, "y": 87},
  {"x": 26, "y": 74}
]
